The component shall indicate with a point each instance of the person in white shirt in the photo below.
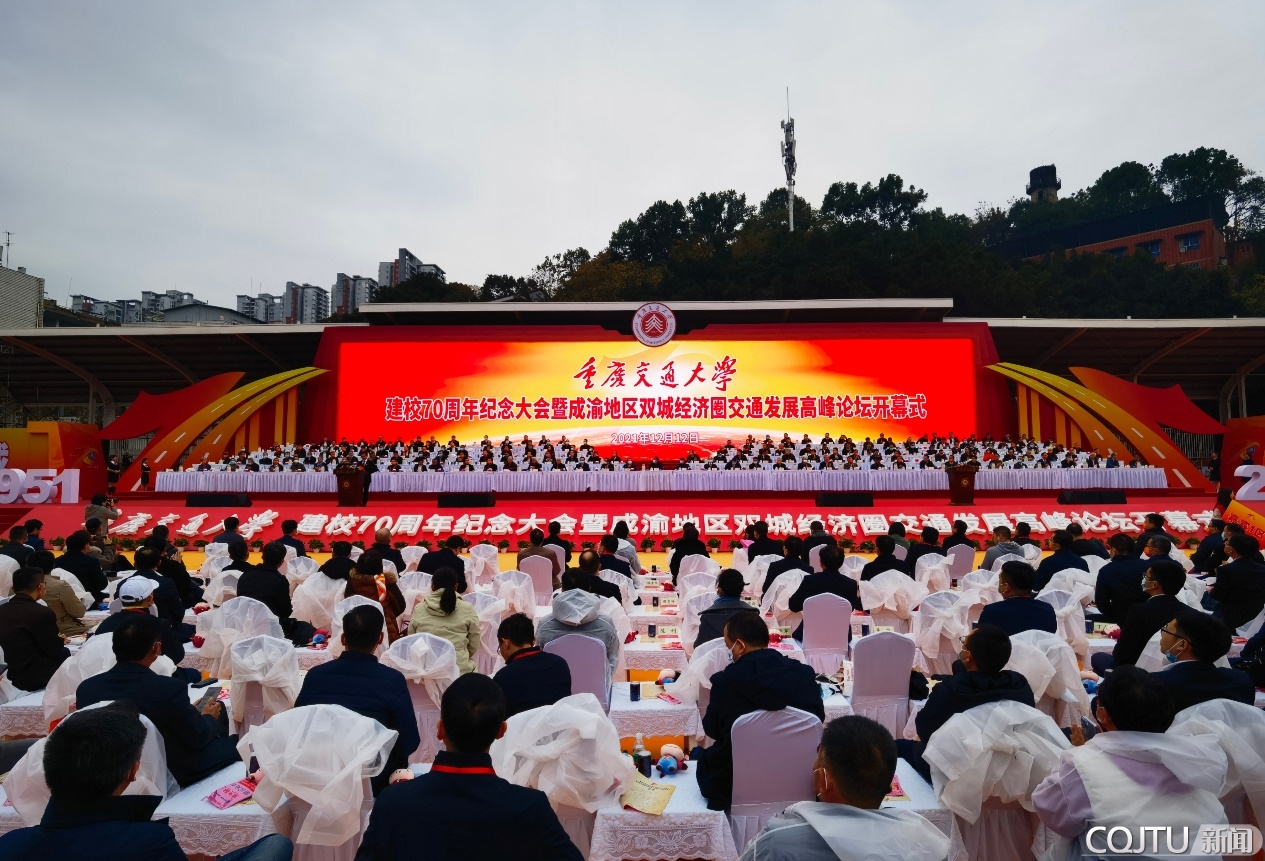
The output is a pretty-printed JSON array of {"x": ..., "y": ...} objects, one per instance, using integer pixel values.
[{"x": 853, "y": 774}]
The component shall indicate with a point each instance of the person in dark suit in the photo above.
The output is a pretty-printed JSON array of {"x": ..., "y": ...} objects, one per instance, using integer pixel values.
[
  {"x": 197, "y": 743},
  {"x": 472, "y": 815},
  {"x": 762, "y": 544},
  {"x": 928, "y": 543},
  {"x": 1023, "y": 535},
  {"x": 339, "y": 565},
  {"x": 288, "y": 528},
  {"x": 382, "y": 544},
  {"x": 817, "y": 537},
  {"x": 555, "y": 538},
  {"x": 166, "y": 596},
  {"x": 983, "y": 679},
  {"x": 17, "y": 548},
  {"x": 958, "y": 537},
  {"x": 33, "y": 529},
  {"x": 1192, "y": 642},
  {"x": 136, "y": 594},
  {"x": 1153, "y": 527},
  {"x": 829, "y": 581},
  {"x": 586, "y": 577},
  {"x": 796, "y": 559},
  {"x": 611, "y": 562},
  {"x": 1083, "y": 546},
  {"x": 885, "y": 560},
  {"x": 84, "y": 566},
  {"x": 90, "y": 759},
  {"x": 1061, "y": 559},
  {"x": 447, "y": 557},
  {"x": 689, "y": 544},
  {"x": 712, "y": 621},
  {"x": 759, "y": 679},
  {"x": 175, "y": 571},
  {"x": 1164, "y": 579},
  {"x": 1018, "y": 611},
  {"x": 531, "y": 677},
  {"x": 266, "y": 583},
  {"x": 33, "y": 647},
  {"x": 356, "y": 681},
  {"x": 230, "y": 535},
  {"x": 1208, "y": 555},
  {"x": 1239, "y": 593},
  {"x": 1119, "y": 585}
]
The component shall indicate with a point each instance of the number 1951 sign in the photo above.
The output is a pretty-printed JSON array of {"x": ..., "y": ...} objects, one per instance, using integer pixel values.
[{"x": 36, "y": 486}]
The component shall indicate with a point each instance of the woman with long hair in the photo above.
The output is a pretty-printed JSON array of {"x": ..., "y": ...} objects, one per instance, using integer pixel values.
[{"x": 444, "y": 614}]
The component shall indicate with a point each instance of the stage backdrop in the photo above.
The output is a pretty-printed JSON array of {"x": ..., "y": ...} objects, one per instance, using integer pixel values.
[{"x": 696, "y": 391}]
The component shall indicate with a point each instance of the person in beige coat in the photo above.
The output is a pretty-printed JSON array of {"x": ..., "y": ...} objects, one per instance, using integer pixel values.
[
  {"x": 60, "y": 597},
  {"x": 445, "y": 615}
]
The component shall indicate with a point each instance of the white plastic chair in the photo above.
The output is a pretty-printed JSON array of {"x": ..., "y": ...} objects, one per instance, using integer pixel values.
[
  {"x": 890, "y": 598},
  {"x": 96, "y": 656},
  {"x": 484, "y": 563},
  {"x": 586, "y": 658},
  {"x": 215, "y": 549},
  {"x": 222, "y": 588},
  {"x": 430, "y": 665},
  {"x": 1071, "y": 618},
  {"x": 881, "y": 664},
  {"x": 1007, "y": 557},
  {"x": 773, "y": 761},
  {"x": 627, "y": 591},
  {"x": 540, "y": 571},
  {"x": 901, "y": 552},
  {"x": 814, "y": 557},
  {"x": 827, "y": 623},
  {"x": 739, "y": 560},
  {"x": 694, "y": 605},
  {"x": 961, "y": 560},
  {"x": 237, "y": 619},
  {"x": 516, "y": 589},
  {"x": 941, "y": 619},
  {"x": 1031, "y": 554},
  {"x": 560, "y": 553},
  {"x": 265, "y": 680},
  {"x": 932, "y": 571},
  {"x": 776, "y": 601},
  {"x": 412, "y": 556}
]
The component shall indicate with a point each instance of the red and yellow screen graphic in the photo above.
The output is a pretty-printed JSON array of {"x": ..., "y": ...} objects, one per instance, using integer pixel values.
[{"x": 687, "y": 392}]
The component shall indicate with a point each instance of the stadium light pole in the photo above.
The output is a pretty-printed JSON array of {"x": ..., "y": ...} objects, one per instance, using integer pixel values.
[{"x": 788, "y": 161}]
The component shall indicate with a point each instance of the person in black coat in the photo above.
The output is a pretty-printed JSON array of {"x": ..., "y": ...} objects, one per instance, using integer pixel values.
[
  {"x": 197, "y": 743},
  {"x": 611, "y": 562},
  {"x": 471, "y": 814},
  {"x": 288, "y": 528},
  {"x": 175, "y": 571},
  {"x": 1018, "y": 611},
  {"x": 555, "y": 538},
  {"x": 796, "y": 559},
  {"x": 230, "y": 535},
  {"x": 817, "y": 537},
  {"x": 982, "y": 680},
  {"x": 166, "y": 596},
  {"x": 1083, "y": 546},
  {"x": 266, "y": 583},
  {"x": 885, "y": 560},
  {"x": 712, "y": 621},
  {"x": 447, "y": 557},
  {"x": 958, "y": 537},
  {"x": 1192, "y": 643},
  {"x": 586, "y": 577},
  {"x": 1164, "y": 579},
  {"x": 759, "y": 679},
  {"x": 356, "y": 681},
  {"x": 531, "y": 677},
  {"x": 762, "y": 544},
  {"x": 927, "y": 543},
  {"x": 1119, "y": 586},
  {"x": 689, "y": 544},
  {"x": 85, "y": 567},
  {"x": 1153, "y": 527},
  {"x": 17, "y": 548},
  {"x": 1239, "y": 593},
  {"x": 1061, "y": 559},
  {"x": 339, "y": 565},
  {"x": 829, "y": 581},
  {"x": 33, "y": 647},
  {"x": 382, "y": 544},
  {"x": 1209, "y": 554}
]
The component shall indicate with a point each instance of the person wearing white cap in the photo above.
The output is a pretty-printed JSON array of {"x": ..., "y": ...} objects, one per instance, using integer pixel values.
[
  {"x": 136, "y": 594},
  {"x": 575, "y": 612}
]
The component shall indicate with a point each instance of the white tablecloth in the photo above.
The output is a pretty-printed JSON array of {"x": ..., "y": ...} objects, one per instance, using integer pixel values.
[
  {"x": 202, "y": 829},
  {"x": 759, "y": 480},
  {"x": 649, "y": 656},
  {"x": 922, "y": 798},
  {"x": 308, "y": 658},
  {"x": 642, "y": 617},
  {"x": 651, "y": 717},
  {"x": 24, "y": 717},
  {"x": 245, "y": 482},
  {"x": 686, "y": 829}
]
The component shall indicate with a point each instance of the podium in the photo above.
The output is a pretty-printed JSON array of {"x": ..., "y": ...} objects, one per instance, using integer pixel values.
[
  {"x": 962, "y": 484},
  {"x": 351, "y": 486}
]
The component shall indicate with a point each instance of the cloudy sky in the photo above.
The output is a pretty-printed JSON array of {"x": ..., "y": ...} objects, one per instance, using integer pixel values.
[{"x": 209, "y": 147}]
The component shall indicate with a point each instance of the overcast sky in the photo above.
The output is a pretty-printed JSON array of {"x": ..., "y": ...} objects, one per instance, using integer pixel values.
[{"x": 150, "y": 145}]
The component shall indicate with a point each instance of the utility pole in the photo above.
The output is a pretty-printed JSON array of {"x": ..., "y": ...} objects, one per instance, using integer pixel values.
[
  {"x": 8, "y": 253},
  {"x": 788, "y": 161}
]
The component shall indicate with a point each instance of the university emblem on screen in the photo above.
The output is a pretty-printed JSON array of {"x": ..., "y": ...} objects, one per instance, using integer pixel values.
[{"x": 654, "y": 324}]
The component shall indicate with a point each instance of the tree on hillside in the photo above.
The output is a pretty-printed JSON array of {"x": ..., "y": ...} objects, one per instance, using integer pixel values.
[
  {"x": 1206, "y": 172},
  {"x": 887, "y": 204},
  {"x": 425, "y": 287}
]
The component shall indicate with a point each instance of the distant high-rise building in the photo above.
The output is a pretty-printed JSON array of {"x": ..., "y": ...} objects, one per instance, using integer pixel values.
[
  {"x": 265, "y": 307},
  {"x": 305, "y": 303},
  {"x": 155, "y": 303},
  {"x": 350, "y": 292},
  {"x": 21, "y": 299},
  {"x": 113, "y": 310},
  {"x": 404, "y": 267}
]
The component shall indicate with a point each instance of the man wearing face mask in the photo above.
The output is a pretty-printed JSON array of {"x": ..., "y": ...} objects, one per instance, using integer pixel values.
[
  {"x": 1164, "y": 578},
  {"x": 983, "y": 679},
  {"x": 759, "y": 679},
  {"x": 1191, "y": 643},
  {"x": 853, "y": 774}
]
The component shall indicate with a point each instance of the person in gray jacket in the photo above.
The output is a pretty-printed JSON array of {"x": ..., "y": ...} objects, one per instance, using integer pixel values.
[{"x": 1003, "y": 546}]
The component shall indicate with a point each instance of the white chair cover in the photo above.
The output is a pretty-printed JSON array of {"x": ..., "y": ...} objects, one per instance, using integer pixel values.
[
  {"x": 342, "y": 608},
  {"x": 1240, "y": 730},
  {"x": 515, "y": 589},
  {"x": 881, "y": 664},
  {"x": 216, "y": 549},
  {"x": 827, "y": 623},
  {"x": 299, "y": 569},
  {"x": 412, "y": 556},
  {"x": 627, "y": 591},
  {"x": 1007, "y": 557},
  {"x": 852, "y": 566},
  {"x": 1071, "y": 618},
  {"x": 697, "y": 563},
  {"x": 319, "y": 755},
  {"x": 356, "y": 552},
  {"x": 1031, "y": 554},
  {"x": 782, "y": 773},
  {"x": 1076, "y": 582},
  {"x": 694, "y": 605},
  {"x": 1250, "y": 629},
  {"x": 291, "y": 553},
  {"x": 776, "y": 601},
  {"x": 96, "y": 656},
  {"x": 484, "y": 563},
  {"x": 814, "y": 557},
  {"x": 985, "y": 764},
  {"x": 961, "y": 560},
  {"x": 1179, "y": 556},
  {"x": 414, "y": 586},
  {"x": 739, "y": 560},
  {"x": 8, "y": 567},
  {"x": 756, "y": 571},
  {"x": 237, "y": 619},
  {"x": 540, "y": 570},
  {"x": 587, "y": 659},
  {"x": 429, "y": 663},
  {"x": 901, "y": 552},
  {"x": 983, "y": 584},
  {"x": 1095, "y": 563},
  {"x": 8, "y": 691},
  {"x": 488, "y": 659},
  {"x": 707, "y": 660},
  {"x": 314, "y": 600},
  {"x": 891, "y": 597},
  {"x": 271, "y": 663},
  {"x": 29, "y": 794},
  {"x": 222, "y": 587},
  {"x": 940, "y": 621},
  {"x": 76, "y": 586},
  {"x": 1063, "y": 696},
  {"x": 696, "y": 579},
  {"x": 932, "y": 571},
  {"x": 560, "y": 553}
]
